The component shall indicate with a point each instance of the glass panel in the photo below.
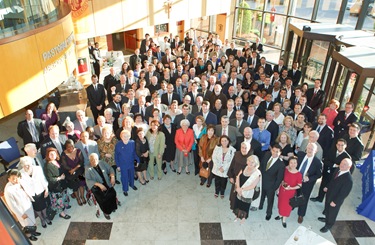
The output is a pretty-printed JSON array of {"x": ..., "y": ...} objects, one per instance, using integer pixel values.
[
  {"x": 349, "y": 88},
  {"x": 272, "y": 54},
  {"x": 316, "y": 60},
  {"x": 253, "y": 4},
  {"x": 341, "y": 86},
  {"x": 371, "y": 103},
  {"x": 274, "y": 29},
  {"x": 351, "y": 14},
  {"x": 302, "y": 8},
  {"x": 362, "y": 99},
  {"x": 328, "y": 11},
  {"x": 202, "y": 23},
  {"x": 248, "y": 24},
  {"x": 278, "y": 6}
]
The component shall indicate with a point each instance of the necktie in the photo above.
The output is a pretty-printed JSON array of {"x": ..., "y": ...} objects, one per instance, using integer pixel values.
[
  {"x": 318, "y": 129},
  {"x": 58, "y": 146},
  {"x": 118, "y": 107},
  {"x": 346, "y": 116},
  {"x": 303, "y": 167},
  {"x": 95, "y": 87},
  {"x": 36, "y": 162},
  {"x": 169, "y": 99},
  {"x": 337, "y": 174},
  {"x": 238, "y": 124},
  {"x": 33, "y": 132},
  {"x": 224, "y": 131},
  {"x": 86, "y": 151},
  {"x": 269, "y": 163},
  {"x": 131, "y": 103},
  {"x": 250, "y": 119}
]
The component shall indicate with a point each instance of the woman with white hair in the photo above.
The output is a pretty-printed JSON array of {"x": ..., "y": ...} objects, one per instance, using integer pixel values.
[
  {"x": 19, "y": 202},
  {"x": 72, "y": 133},
  {"x": 184, "y": 141},
  {"x": 109, "y": 119},
  {"x": 248, "y": 185},
  {"x": 35, "y": 185}
]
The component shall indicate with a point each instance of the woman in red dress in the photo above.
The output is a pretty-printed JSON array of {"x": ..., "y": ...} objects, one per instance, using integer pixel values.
[{"x": 292, "y": 181}]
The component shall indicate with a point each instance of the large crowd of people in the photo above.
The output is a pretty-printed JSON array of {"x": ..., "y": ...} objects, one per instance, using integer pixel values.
[{"x": 186, "y": 105}]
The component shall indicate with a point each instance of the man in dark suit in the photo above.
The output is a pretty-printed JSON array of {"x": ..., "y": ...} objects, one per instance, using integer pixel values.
[
  {"x": 267, "y": 67},
  {"x": 194, "y": 92},
  {"x": 255, "y": 145},
  {"x": 251, "y": 118},
  {"x": 209, "y": 117},
  {"x": 325, "y": 134},
  {"x": 185, "y": 115},
  {"x": 129, "y": 98},
  {"x": 30, "y": 130},
  {"x": 143, "y": 47},
  {"x": 331, "y": 163},
  {"x": 259, "y": 110},
  {"x": 150, "y": 73},
  {"x": 96, "y": 96},
  {"x": 272, "y": 168},
  {"x": 156, "y": 104},
  {"x": 228, "y": 130},
  {"x": 115, "y": 105},
  {"x": 295, "y": 74},
  {"x": 140, "y": 107},
  {"x": 204, "y": 90},
  {"x": 343, "y": 120},
  {"x": 54, "y": 140},
  {"x": 310, "y": 115},
  {"x": 267, "y": 104},
  {"x": 272, "y": 126},
  {"x": 280, "y": 66},
  {"x": 355, "y": 146},
  {"x": 257, "y": 46},
  {"x": 158, "y": 53},
  {"x": 311, "y": 169},
  {"x": 134, "y": 59},
  {"x": 337, "y": 190},
  {"x": 110, "y": 81},
  {"x": 315, "y": 96},
  {"x": 229, "y": 111},
  {"x": 238, "y": 105},
  {"x": 122, "y": 88},
  {"x": 240, "y": 124},
  {"x": 149, "y": 57},
  {"x": 170, "y": 96},
  {"x": 231, "y": 50},
  {"x": 217, "y": 95}
]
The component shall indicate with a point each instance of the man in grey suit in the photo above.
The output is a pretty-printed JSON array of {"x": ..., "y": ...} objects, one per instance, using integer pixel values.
[
  {"x": 226, "y": 129},
  {"x": 82, "y": 122},
  {"x": 87, "y": 147}
]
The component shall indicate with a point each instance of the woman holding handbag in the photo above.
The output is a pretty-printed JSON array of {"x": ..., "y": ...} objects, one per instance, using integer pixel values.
[
  {"x": 292, "y": 181},
  {"x": 206, "y": 147},
  {"x": 247, "y": 183}
]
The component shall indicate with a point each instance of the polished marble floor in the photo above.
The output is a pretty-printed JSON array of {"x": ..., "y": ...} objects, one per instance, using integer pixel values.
[{"x": 177, "y": 210}]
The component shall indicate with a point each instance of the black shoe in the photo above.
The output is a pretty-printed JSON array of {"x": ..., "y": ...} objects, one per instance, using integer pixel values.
[
  {"x": 277, "y": 218},
  {"x": 315, "y": 199},
  {"x": 107, "y": 216},
  {"x": 201, "y": 183},
  {"x": 253, "y": 208},
  {"x": 117, "y": 182},
  {"x": 260, "y": 207},
  {"x": 322, "y": 219},
  {"x": 33, "y": 238},
  {"x": 178, "y": 173},
  {"x": 173, "y": 170},
  {"x": 187, "y": 172},
  {"x": 49, "y": 223},
  {"x": 135, "y": 177},
  {"x": 324, "y": 229},
  {"x": 64, "y": 217},
  {"x": 147, "y": 181},
  {"x": 284, "y": 224},
  {"x": 35, "y": 233},
  {"x": 69, "y": 207},
  {"x": 134, "y": 188},
  {"x": 268, "y": 217},
  {"x": 144, "y": 183},
  {"x": 44, "y": 225},
  {"x": 208, "y": 185},
  {"x": 165, "y": 172},
  {"x": 125, "y": 193}
]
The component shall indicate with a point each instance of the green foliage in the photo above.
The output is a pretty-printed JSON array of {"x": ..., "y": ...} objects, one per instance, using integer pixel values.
[{"x": 245, "y": 17}]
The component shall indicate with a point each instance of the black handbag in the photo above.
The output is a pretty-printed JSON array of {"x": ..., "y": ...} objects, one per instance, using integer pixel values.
[
  {"x": 29, "y": 228},
  {"x": 50, "y": 213},
  {"x": 297, "y": 201}
]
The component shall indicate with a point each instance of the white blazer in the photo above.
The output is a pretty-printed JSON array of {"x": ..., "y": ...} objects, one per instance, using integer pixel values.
[{"x": 217, "y": 158}]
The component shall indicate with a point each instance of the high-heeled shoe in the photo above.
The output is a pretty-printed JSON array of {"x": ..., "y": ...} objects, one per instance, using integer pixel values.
[
  {"x": 44, "y": 225},
  {"x": 79, "y": 201},
  {"x": 147, "y": 180},
  {"x": 84, "y": 201},
  {"x": 178, "y": 173},
  {"x": 284, "y": 224}
]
